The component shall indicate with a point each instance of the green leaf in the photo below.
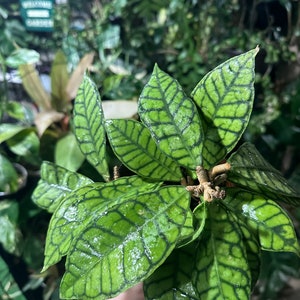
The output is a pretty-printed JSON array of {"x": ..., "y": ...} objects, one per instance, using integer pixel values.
[
  {"x": 81, "y": 207},
  {"x": 225, "y": 97},
  {"x": 124, "y": 245},
  {"x": 26, "y": 144},
  {"x": 89, "y": 126},
  {"x": 265, "y": 218},
  {"x": 10, "y": 235},
  {"x": 134, "y": 146},
  {"x": 59, "y": 81},
  {"x": 221, "y": 270},
  {"x": 74, "y": 158},
  {"x": 199, "y": 218},
  {"x": 34, "y": 87},
  {"x": 8, "y": 176},
  {"x": 252, "y": 172},
  {"x": 55, "y": 184},
  {"x": 9, "y": 130},
  {"x": 172, "y": 118},
  {"x": 172, "y": 280},
  {"x": 9, "y": 289},
  {"x": 22, "y": 56},
  {"x": 22, "y": 111},
  {"x": 253, "y": 251}
]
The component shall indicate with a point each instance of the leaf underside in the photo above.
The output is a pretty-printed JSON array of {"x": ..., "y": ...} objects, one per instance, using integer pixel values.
[
  {"x": 252, "y": 172},
  {"x": 225, "y": 98}
]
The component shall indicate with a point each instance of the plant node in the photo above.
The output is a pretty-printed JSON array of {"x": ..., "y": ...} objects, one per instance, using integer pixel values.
[{"x": 209, "y": 181}]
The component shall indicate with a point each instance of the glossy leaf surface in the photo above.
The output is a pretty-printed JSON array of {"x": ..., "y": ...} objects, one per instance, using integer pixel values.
[
  {"x": 253, "y": 251},
  {"x": 252, "y": 172},
  {"x": 172, "y": 280},
  {"x": 134, "y": 146},
  {"x": 274, "y": 229},
  {"x": 89, "y": 126},
  {"x": 172, "y": 118},
  {"x": 221, "y": 270},
  {"x": 225, "y": 97},
  {"x": 124, "y": 245},
  {"x": 82, "y": 207},
  {"x": 55, "y": 184}
]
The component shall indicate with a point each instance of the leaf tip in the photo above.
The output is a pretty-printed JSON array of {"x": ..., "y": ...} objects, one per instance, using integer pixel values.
[
  {"x": 156, "y": 67},
  {"x": 45, "y": 268}
]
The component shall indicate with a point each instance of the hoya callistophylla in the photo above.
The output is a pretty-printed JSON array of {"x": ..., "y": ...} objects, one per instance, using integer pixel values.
[{"x": 176, "y": 224}]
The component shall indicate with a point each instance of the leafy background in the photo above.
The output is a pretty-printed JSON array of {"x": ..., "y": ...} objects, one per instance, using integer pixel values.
[{"x": 187, "y": 39}]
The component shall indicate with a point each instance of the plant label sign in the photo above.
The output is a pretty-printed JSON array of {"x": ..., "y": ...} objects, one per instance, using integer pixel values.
[{"x": 37, "y": 15}]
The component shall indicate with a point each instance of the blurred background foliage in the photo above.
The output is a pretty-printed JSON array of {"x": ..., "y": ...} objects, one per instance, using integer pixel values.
[{"x": 187, "y": 39}]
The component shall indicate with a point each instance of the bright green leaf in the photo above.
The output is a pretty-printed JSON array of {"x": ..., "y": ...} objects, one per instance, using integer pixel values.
[
  {"x": 81, "y": 207},
  {"x": 89, "y": 126},
  {"x": 172, "y": 118},
  {"x": 22, "y": 56},
  {"x": 55, "y": 184},
  {"x": 8, "y": 130},
  {"x": 172, "y": 280},
  {"x": 71, "y": 160},
  {"x": 252, "y": 172},
  {"x": 225, "y": 97},
  {"x": 125, "y": 244},
  {"x": 266, "y": 218},
  {"x": 221, "y": 270},
  {"x": 199, "y": 218},
  {"x": 134, "y": 146}
]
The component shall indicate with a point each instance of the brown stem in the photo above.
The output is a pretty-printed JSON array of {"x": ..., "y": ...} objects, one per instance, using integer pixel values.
[
  {"x": 219, "y": 169},
  {"x": 206, "y": 186},
  {"x": 116, "y": 172}
]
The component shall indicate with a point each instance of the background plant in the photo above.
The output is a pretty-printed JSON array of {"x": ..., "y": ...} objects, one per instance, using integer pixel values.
[{"x": 128, "y": 37}]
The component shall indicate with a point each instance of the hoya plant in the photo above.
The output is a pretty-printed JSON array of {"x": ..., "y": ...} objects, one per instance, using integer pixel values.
[{"x": 192, "y": 219}]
